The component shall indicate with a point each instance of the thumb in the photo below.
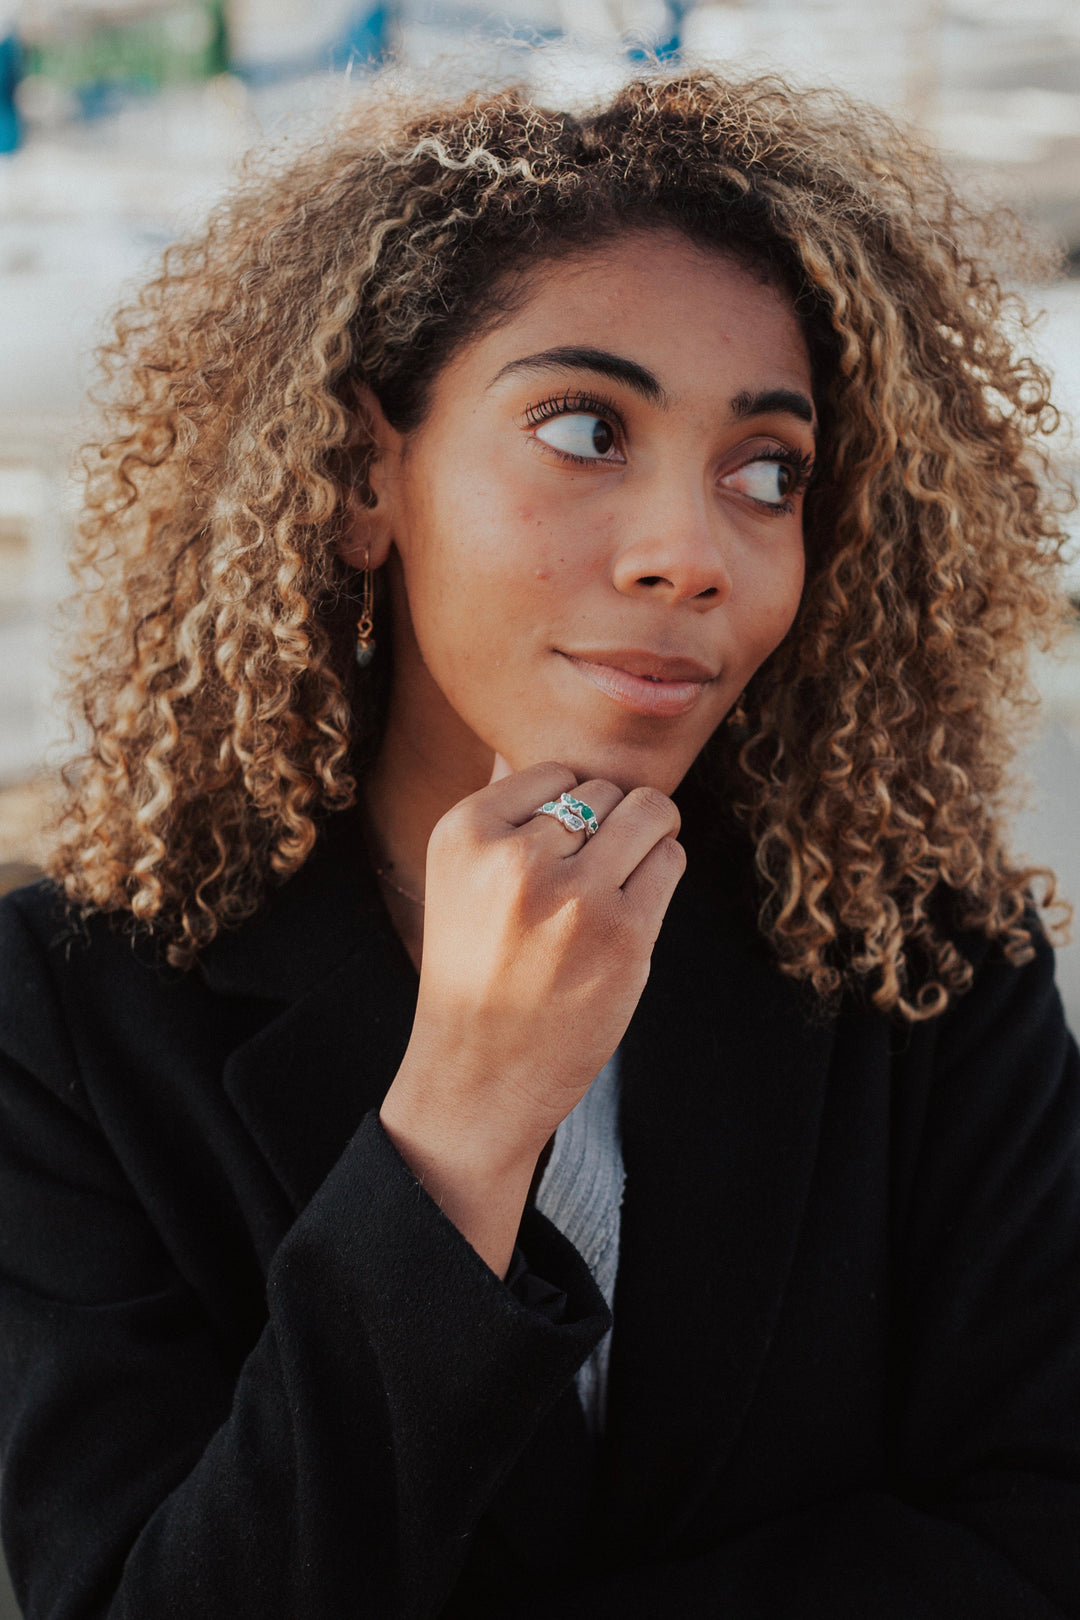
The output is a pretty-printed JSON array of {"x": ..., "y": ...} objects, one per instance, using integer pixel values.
[{"x": 499, "y": 769}]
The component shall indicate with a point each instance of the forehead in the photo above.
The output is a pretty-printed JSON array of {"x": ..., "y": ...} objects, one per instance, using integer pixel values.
[{"x": 698, "y": 319}]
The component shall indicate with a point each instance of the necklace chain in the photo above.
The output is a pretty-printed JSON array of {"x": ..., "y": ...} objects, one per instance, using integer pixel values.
[
  {"x": 380, "y": 871},
  {"x": 415, "y": 898}
]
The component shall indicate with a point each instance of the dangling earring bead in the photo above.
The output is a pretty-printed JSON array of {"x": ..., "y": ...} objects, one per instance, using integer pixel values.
[
  {"x": 365, "y": 640},
  {"x": 737, "y": 716}
]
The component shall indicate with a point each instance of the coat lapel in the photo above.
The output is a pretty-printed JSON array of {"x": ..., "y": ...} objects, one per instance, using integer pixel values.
[
  {"x": 724, "y": 1077},
  {"x": 326, "y": 953}
]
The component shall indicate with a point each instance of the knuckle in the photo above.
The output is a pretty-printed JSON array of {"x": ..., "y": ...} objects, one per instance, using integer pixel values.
[
  {"x": 673, "y": 853},
  {"x": 447, "y": 831},
  {"x": 516, "y": 859},
  {"x": 585, "y": 918},
  {"x": 513, "y": 876},
  {"x": 551, "y": 770},
  {"x": 653, "y": 802},
  {"x": 575, "y": 910},
  {"x": 609, "y": 789}
]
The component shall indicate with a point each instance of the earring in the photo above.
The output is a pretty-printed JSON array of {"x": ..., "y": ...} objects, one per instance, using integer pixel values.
[
  {"x": 365, "y": 640},
  {"x": 737, "y": 715}
]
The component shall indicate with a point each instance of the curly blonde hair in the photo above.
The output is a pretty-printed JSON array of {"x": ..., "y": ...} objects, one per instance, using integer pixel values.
[{"x": 871, "y": 763}]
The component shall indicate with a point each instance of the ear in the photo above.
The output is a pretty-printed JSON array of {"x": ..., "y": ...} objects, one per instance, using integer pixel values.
[{"x": 368, "y": 529}]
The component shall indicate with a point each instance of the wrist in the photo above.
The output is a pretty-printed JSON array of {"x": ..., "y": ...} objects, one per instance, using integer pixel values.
[
  {"x": 474, "y": 1111},
  {"x": 479, "y": 1183}
]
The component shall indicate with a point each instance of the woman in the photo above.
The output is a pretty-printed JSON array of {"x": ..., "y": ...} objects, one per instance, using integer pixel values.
[{"x": 563, "y": 587}]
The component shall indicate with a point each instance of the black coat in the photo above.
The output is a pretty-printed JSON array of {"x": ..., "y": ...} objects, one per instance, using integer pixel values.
[{"x": 248, "y": 1370}]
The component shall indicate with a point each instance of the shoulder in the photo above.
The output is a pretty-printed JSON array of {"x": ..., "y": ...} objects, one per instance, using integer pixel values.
[
  {"x": 1013, "y": 1000},
  {"x": 37, "y": 933},
  {"x": 39, "y": 926},
  {"x": 37, "y": 912},
  {"x": 73, "y": 990},
  {"x": 998, "y": 1068},
  {"x": 85, "y": 1001},
  {"x": 48, "y": 948},
  {"x": 89, "y": 1001}
]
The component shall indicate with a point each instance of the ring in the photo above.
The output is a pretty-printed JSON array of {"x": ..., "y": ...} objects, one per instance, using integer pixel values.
[{"x": 575, "y": 816}]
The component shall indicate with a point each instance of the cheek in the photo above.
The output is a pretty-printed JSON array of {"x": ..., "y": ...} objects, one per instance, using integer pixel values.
[
  {"x": 773, "y": 601},
  {"x": 485, "y": 575},
  {"x": 503, "y": 552},
  {"x": 794, "y": 580}
]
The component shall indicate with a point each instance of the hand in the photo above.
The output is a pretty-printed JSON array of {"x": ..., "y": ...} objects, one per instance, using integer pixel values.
[{"x": 537, "y": 944}]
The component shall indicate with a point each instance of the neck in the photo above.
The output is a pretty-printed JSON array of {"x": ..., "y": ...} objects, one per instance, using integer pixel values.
[{"x": 419, "y": 774}]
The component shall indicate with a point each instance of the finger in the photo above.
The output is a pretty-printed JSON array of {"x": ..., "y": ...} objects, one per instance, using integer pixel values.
[
  {"x": 633, "y": 828},
  {"x": 650, "y": 886},
  {"x": 512, "y": 799},
  {"x": 601, "y": 797},
  {"x": 499, "y": 769}
]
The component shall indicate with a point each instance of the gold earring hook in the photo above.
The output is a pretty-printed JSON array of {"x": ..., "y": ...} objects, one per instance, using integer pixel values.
[{"x": 365, "y": 640}]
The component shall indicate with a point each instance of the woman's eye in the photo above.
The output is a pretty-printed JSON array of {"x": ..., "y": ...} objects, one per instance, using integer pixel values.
[
  {"x": 769, "y": 481},
  {"x": 578, "y": 434}
]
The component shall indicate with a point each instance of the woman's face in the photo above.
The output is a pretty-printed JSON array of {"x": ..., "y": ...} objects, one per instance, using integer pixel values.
[{"x": 597, "y": 529}]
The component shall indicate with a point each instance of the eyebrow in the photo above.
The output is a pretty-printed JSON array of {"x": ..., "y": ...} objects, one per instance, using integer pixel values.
[
  {"x": 601, "y": 361},
  {"x": 605, "y": 364},
  {"x": 773, "y": 399}
]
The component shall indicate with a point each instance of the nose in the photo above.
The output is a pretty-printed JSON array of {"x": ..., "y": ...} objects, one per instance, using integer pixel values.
[{"x": 675, "y": 549}]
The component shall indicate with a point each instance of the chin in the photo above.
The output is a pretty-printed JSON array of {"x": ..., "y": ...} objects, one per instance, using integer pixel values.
[{"x": 627, "y": 767}]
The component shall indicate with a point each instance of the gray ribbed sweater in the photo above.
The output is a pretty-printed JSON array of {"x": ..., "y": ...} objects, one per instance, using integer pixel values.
[{"x": 581, "y": 1193}]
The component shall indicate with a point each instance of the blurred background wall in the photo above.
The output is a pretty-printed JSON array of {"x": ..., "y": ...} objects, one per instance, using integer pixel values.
[{"x": 120, "y": 121}]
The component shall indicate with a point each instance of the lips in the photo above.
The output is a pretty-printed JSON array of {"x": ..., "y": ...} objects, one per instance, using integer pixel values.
[
  {"x": 643, "y": 682},
  {"x": 649, "y": 665}
]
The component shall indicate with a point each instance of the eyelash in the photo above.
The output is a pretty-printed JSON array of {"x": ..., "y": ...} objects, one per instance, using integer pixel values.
[
  {"x": 800, "y": 463},
  {"x": 571, "y": 405},
  {"x": 801, "y": 466}
]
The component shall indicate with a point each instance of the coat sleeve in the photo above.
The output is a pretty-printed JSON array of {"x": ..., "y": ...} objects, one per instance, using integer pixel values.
[
  {"x": 340, "y": 1470},
  {"x": 982, "y": 1513}
]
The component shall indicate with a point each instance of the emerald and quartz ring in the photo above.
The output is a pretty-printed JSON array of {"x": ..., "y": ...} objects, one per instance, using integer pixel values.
[{"x": 575, "y": 816}]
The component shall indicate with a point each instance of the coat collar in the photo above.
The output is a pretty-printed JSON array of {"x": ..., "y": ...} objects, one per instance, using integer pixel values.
[
  {"x": 310, "y": 925},
  {"x": 723, "y": 1072}
]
